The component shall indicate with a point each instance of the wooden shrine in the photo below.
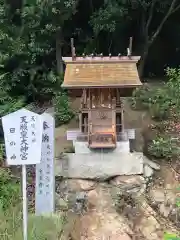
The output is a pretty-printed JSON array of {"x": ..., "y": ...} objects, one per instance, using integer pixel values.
[{"x": 101, "y": 81}]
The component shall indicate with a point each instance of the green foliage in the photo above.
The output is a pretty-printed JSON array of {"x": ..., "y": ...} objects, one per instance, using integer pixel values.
[
  {"x": 1, "y": 153},
  {"x": 164, "y": 147},
  {"x": 9, "y": 189},
  {"x": 105, "y": 19},
  {"x": 157, "y": 101},
  {"x": 114, "y": 12},
  {"x": 160, "y": 104},
  {"x": 173, "y": 85},
  {"x": 28, "y": 49},
  {"x": 63, "y": 112},
  {"x": 11, "y": 105},
  {"x": 28, "y": 66},
  {"x": 163, "y": 102},
  {"x": 39, "y": 227},
  {"x": 141, "y": 98}
]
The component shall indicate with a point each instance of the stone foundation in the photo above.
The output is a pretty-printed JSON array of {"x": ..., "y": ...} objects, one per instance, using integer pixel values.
[
  {"x": 99, "y": 165},
  {"x": 82, "y": 147}
]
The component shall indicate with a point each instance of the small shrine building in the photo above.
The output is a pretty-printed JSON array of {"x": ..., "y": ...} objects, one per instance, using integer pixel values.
[{"x": 101, "y": 82}]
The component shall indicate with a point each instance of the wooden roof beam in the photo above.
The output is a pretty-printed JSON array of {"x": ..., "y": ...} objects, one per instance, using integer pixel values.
[{"x": 102, "y": 59}]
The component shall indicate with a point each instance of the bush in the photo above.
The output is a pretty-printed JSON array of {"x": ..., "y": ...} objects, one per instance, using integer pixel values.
[
  {"x": 173, "y": 85},
  {"x": 39, "y": 227},
  {"x": 9, "y": 105},
  {"x": 157, "y": 101},
  {"x": 9, "y": 190},
  {"x": 63, "y": 112},
  {"x": 164, "y": 147},
  {"x": 160, "y": 104},
  {"x": 140, "y": 98}
]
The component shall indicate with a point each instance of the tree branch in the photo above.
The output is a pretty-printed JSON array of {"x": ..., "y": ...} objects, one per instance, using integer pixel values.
[
  {"x": 169, "y": 12},
  {"x": 176, "y": 8},
  {"x": 150, "y": 14}
]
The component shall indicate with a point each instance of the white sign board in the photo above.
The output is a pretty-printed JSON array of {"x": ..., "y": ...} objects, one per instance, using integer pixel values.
[
  {"x": 72, "y": 134},
  {"x": 131, "y": 133},
  {"x": 45, "y": 179},
  {"x": 23, "y": 137}
]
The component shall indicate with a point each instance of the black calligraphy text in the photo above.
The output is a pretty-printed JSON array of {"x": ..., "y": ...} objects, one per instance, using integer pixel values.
[{"x": 23, "y": 135}]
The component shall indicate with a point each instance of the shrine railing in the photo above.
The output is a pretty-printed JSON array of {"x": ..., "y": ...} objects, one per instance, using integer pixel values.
[{"x": 102, "y": 138}]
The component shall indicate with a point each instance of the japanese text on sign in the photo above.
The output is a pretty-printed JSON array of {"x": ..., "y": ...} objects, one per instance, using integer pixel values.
[
  {"x": 19, "y": 134},
  {"x": 45, "y": 170}
]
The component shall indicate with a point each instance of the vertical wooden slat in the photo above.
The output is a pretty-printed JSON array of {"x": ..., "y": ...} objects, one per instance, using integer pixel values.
[
  {"x": 85, "y": 97},
  {"x": 80, "y": 122},
  {"x": 122, "y": 116},
  {"x": 114, "y": 124},
  {"x": 72, "y": 48},
  {"x": 130, "y": 45},
  {"x": 85, "y": 125}
]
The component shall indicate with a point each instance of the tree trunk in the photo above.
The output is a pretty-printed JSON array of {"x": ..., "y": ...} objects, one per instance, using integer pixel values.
[
  {"x": 59, "y": 57},
  {"x": 142, "y": 62},
  {"x": 59, "y": 53},
  {"x": 144, "y": 54}
]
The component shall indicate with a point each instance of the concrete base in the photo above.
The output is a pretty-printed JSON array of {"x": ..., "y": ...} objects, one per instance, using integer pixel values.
[
  {"x": 99, "y": 165},
  {"x": 82, "y": 147},
  {"x": 122, "y": 147}
]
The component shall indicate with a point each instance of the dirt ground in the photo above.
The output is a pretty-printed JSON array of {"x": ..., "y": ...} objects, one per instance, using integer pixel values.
[{"x": 61, "y": 143}]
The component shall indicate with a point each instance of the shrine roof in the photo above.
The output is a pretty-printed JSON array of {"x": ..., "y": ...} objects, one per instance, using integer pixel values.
[{"x": 101, "y": 72}]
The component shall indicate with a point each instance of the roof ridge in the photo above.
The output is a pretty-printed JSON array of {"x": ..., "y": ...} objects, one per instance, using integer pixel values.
[{"x": 103, "y": 59}]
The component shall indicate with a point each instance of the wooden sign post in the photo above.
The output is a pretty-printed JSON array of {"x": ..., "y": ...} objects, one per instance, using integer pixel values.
[
  {"x": 23, "y": 139},
  {"x": 45, "y": 179}
]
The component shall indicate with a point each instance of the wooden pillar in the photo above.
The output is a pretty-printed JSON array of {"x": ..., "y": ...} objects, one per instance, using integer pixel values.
[
  {"x": 80, "y": 121},
  {"x": 114, "y": 124},
  {"x": 117, "y": 96},
  {"x": 82, "y": 101},
  {"x": 73, "y": 50},
  {"x": 130, "y": 45},
  {"x": 89, "y": 116},
  {"x": 85, "y": 96},
  {"x": 122, "y": 117}
]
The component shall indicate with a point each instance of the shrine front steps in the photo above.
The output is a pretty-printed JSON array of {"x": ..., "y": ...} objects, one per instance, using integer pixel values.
[{"x": 99, "y": 165}]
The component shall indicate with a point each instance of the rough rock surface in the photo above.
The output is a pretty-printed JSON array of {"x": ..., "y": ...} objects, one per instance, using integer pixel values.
[
  {"x": 132, "y": 184},
  {"x": 151, "y": 164},
  {"x": 93, "y": 212},
  {"x": 148, "y": 171},
  {"x": 161, "y": 195},
  {"x": 100, "y": 221}
]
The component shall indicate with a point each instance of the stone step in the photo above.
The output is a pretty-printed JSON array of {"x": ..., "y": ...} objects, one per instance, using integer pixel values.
[{"x": 99, "y": 165}]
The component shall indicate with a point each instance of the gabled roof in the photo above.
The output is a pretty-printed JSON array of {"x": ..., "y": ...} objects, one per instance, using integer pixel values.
[{"x": 101, "y": 72}]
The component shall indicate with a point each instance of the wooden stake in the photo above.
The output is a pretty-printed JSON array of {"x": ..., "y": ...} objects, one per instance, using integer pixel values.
[
  {"x": 73, "y": 51},
  {"x": 130, "y": 45}
]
